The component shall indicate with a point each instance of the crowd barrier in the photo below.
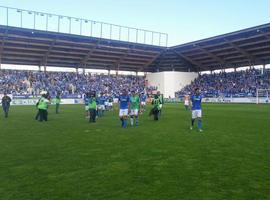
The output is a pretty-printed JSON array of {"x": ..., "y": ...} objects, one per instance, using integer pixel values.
[
  {"x": 31, "y": 100},
  {"x": 224, "y": 100}
]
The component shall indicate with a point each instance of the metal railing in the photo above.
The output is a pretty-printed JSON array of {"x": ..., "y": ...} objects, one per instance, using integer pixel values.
[{"x": 65, "y": 24}]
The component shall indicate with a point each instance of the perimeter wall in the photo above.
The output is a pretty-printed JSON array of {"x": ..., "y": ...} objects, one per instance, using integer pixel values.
[{"x": 170, "y": 82}]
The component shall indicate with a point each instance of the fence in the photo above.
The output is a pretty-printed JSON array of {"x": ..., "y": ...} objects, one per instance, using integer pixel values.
[{"x": 65, "y": 24}]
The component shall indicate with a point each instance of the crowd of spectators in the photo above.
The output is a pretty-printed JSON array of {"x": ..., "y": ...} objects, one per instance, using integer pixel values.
[
  {"x": 18, "y": 82},
  {"x": 232, "y": 84}
]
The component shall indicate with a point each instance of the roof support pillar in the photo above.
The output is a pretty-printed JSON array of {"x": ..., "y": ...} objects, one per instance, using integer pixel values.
[
  {"x": 263, "y": 68},
  {"x": 117, "y": 70},
  {"x": 45, "y": 63},
  {"x": 84, "y": 69},
  {"x": 39, "y": 68}
]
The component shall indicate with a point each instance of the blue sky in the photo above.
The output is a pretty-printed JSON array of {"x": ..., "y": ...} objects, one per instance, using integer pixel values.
[{"x": 183, "y": 20}]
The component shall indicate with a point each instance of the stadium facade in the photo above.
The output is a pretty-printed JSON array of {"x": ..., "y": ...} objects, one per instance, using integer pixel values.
[{"x": 44, "y": 39}]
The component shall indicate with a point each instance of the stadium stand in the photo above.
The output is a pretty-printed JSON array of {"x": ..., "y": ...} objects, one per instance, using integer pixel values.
[
  {"x": 233, "y": 84},
  {"x": 54, "y": 48},
  {"x": 18, "y": 82}
]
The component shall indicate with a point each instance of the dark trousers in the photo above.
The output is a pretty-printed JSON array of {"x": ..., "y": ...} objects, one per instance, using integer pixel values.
[
  {"x": 6, "y": 109},
  {"x": 57, "y": 108},
  {"x": 93, "y": 114},
  {"x": 156, "y": 113},
  {"x": 43, "y": 115},
  {"x": 37, "y": 115}
]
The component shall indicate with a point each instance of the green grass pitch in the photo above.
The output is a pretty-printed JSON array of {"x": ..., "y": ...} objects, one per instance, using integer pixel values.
[{"x": 68, "y": 158}]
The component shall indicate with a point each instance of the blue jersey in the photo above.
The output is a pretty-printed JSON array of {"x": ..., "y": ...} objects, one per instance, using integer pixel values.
[
  {"x": 86, "y": 101},
  {"x": 101, "y": 100},
  {"x": 143, "y": 98},
  {"x": 196, "y": 102},
  {"x": 124, "y": 100}
]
